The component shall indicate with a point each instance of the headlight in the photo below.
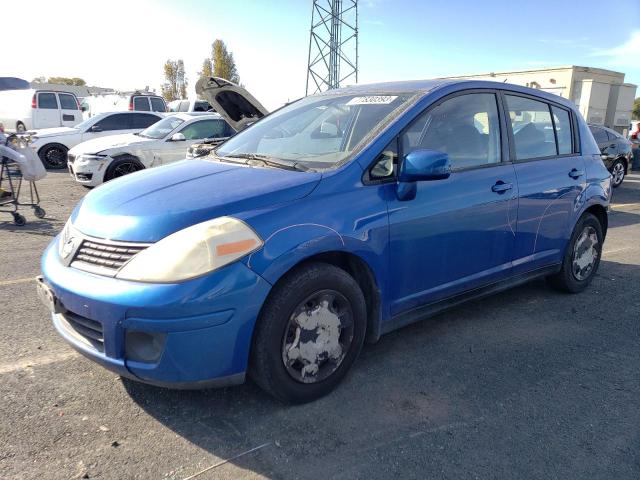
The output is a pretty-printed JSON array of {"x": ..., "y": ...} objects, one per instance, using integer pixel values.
[
  {"x": 64, "y": 237},
  {"x": 192, "y": 252},
  {"x": 92, "y": 157}
]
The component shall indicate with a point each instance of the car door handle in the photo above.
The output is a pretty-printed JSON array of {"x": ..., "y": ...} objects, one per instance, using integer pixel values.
[
  {"x": 501, "y": 187},
  {"x": 575, "y": 173}
]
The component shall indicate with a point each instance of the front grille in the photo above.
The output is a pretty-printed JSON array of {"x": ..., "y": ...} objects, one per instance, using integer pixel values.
[
  {"x": 89, "y": 330},
  {"x": 104, "y": 258}
]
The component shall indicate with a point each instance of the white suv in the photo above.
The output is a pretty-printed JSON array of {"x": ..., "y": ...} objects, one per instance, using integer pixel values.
[
  {"x": 52, "y": 144},
  {"x": 96, "y": 161}
]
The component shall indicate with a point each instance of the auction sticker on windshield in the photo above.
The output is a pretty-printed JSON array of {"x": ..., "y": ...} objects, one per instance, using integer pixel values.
[{"x": 372, "y": 100}]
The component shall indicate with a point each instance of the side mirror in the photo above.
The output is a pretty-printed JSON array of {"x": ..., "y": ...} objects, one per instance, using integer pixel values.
[
  {"x": 95, "y": 128},
  {"x": 178, "y": 137},
  {"x": 425, "y": 165},
  {"x": 421, "y": 165},
  {"x": 84, "y": 108}
]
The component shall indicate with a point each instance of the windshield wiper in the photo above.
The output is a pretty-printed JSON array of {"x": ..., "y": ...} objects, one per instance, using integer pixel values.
[{"x": 270, "y": 161}]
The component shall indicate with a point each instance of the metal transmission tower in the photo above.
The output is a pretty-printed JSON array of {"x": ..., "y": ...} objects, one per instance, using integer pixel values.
[{"x": 333, "y": 44}]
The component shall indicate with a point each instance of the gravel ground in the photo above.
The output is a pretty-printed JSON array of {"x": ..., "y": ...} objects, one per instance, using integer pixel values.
[{"x": 530, "y": 383}]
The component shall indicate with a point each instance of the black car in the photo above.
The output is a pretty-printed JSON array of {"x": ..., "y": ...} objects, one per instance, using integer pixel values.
[{"x": 615, "y": 150}]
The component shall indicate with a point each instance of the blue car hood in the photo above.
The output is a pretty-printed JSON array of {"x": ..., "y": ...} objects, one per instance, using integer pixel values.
[{"x": 151, "y": 204}]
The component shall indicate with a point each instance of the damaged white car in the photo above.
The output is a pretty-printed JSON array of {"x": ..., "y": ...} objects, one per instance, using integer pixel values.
[{"x": 96, "y": 161}]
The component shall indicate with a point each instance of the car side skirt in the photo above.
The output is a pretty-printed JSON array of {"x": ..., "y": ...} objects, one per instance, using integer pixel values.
[{"x": 425, "y": 311}]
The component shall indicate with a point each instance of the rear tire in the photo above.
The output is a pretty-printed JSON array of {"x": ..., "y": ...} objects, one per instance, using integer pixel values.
[
  {"x": 54, "y": 156},
  {"x": 122, "y": 166},
  {"x": 318, "y": 308},
  {"x": 20, "y": 128},
  {"x": 582, "y": 256},
  {"x": 617, "y": 173}
]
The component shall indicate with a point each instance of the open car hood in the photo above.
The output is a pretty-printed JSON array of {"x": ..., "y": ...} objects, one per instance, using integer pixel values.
[{"x": 238, "y": 107}]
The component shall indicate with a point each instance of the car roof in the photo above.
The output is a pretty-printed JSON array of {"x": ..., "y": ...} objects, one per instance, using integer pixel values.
[{"x": 427, "y": 86}]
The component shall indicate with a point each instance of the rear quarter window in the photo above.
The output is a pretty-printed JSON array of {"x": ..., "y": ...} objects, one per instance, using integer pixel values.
[
  {"x": 47, "y": 101},
  {"x": 141, "y": 104}
]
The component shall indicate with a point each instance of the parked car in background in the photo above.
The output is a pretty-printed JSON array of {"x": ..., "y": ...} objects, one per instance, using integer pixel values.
[
  {"x": 116, "y": 102},
  {"x": 338, "y": 218},
  {"x": 615, "y": 150},
  {"x": 52, "y": 144},
  {"x": 22, "y": 110},
  {"x": 189, "y": 106},
  {"x": 204, "y": 148},
  {"x": 96, "y": 161}
]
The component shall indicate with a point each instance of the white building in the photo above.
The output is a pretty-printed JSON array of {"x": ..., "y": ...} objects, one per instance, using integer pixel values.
[{"x": 601, "y": 95}]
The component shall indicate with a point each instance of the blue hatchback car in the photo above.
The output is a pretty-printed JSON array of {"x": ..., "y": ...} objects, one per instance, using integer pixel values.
[{"x": 323, "y": 225}]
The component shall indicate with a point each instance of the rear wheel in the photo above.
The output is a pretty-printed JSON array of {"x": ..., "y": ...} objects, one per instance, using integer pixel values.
[
  {"x": 617, "y": 173},
  {"x": 20, "y": 128},
  {"x": 309, "y": 333},
  {"x": 54, "y": 156},
  {"x": 582, "y": 257},
  {"x": 121, "y": 166}
]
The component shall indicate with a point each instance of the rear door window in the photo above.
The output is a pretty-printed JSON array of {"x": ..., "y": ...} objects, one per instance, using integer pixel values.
[
  {"x": 466, "y": 127},
  {"x": 119, "y": 121},
  {"x": 201, "y": 106},
  {"x": 532, "y": 128},
  {"x": 562, "y": 123},
  {"x": 48, "y": 101},
  {"x": 68, "y": 102},
  {"x": 157, "y": 104},
  {"x": 141, "y": 104},
  {"x": 143, "y": 120}
]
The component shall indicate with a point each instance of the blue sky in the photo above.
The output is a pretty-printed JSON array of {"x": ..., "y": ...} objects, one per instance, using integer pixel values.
[{"x": 399, "y": 40}]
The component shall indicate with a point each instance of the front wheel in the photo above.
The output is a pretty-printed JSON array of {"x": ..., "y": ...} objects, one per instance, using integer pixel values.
[
  {"x": 122, "y": 166},
  {"x": 310, "y": 331},
  {"x": 54, "y": 156},
  {"x": 582, "y": 257},
  {"x": 617, "y": 173}
]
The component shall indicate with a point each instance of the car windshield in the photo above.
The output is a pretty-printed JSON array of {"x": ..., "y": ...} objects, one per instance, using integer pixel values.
[
  {"x": 162, "y": 128},
  {"x": 86, "y": 124},
  {"x": 316, "y": 132}
]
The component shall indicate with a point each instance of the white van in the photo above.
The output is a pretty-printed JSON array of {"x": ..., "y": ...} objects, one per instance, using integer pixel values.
[
  {"x": 120, "y": 102},
  {"x": 189, "y": 106},
  {"x": 22, "y": 110}
]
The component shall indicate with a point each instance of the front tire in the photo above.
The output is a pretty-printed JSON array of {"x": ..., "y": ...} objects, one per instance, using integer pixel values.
[
  {"x": 54, "y": 156},
  {"x": 617, "y": 173},
  {"x": 122, "y": 166},
  {"x": 309, "y": 333},
  {"x": 582, "y": 256}
]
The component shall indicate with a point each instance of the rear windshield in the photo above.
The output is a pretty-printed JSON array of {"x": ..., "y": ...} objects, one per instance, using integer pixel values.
[{"x": 319, "y": 131}]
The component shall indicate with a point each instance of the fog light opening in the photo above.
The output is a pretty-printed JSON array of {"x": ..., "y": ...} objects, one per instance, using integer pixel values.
[{"x": 143, "y": 346}]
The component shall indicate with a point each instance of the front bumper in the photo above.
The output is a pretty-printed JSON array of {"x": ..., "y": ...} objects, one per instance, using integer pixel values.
[
  {"x": 88, "y": 172},
  {"x": 206, "y": 323}
]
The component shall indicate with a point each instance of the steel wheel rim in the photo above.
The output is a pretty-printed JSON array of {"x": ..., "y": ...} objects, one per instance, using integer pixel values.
[
  {"x": 124, "y": 169},
  {"x": 20, "y": 128},
  {"x": 585, "y": 253},
  {"x": 618, "y": 173},
  {"x": 318, "y": 335},
  {"x": 55, "y": 156}
]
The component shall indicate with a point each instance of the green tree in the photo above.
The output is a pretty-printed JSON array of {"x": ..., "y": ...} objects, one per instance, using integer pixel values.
[
  {"x": 66, "y": 81},
  {"x": 635, "y": 113},
  {"x": 224, "y": 66},
  {"x": 40, "y": 79},
  {"x": 175, "y": 86}
]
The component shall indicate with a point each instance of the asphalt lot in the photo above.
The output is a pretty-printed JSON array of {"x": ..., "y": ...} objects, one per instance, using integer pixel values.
[{"x": 527, "y": 384}]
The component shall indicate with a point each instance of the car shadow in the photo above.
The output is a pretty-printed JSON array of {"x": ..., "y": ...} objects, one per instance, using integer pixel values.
[{"x": 418, "y": 387}]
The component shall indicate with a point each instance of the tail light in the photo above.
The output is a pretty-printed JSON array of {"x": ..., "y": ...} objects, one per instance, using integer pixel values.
[
  {"x": 131, "y": 104},
  {"x": 34, "y": 101}
]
